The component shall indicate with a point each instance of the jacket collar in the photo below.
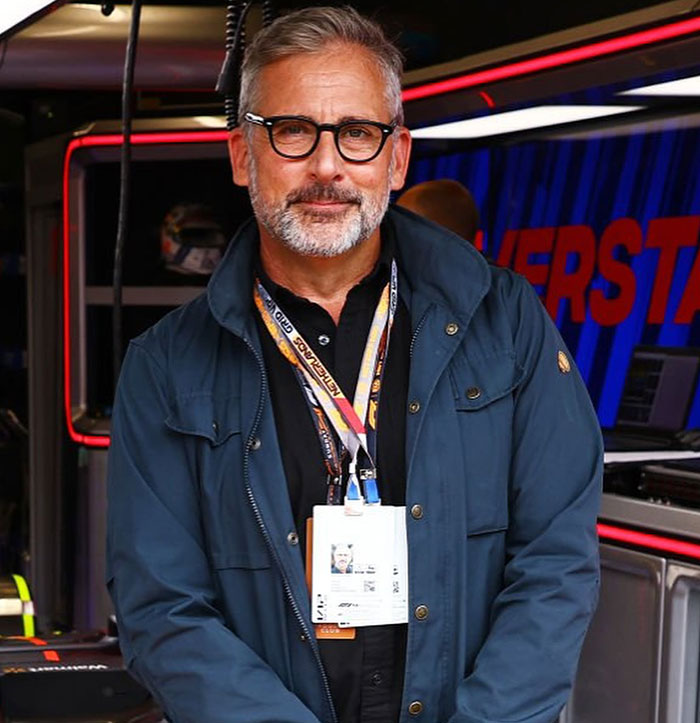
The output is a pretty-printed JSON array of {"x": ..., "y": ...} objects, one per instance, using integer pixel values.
[{"x": 438, "y": 267}]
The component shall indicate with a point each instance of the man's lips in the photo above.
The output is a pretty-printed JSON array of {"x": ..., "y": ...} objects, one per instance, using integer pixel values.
[
  {"x": 325, "y": 204},
  {"x": 329, "y": 206}
]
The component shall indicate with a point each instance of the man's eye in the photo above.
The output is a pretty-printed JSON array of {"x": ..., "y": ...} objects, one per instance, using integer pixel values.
[
  {"x": 292, "y": 129},
  {"x": 356, "y": 132}
]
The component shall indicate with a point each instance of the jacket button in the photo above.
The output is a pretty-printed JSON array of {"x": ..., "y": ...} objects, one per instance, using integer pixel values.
[
  {"x": 415, "y": 708},
  {"x": 473, "y": 393},
  {"x": 215, "y": 427},
  {"x": 421, "y": 612},
  {"x": 293, "y": 538},
  {"x": 451, "y": 329},
  {"x": 414, "y": 406},
  {"x": 417, "y": 512},
  {"x": 255, "y": 443}
]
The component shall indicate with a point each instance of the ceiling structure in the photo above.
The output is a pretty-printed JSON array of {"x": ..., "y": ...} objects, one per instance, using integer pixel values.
[
  {"x": 76, "y": 46},
  {"x": 46, "y": 68}
]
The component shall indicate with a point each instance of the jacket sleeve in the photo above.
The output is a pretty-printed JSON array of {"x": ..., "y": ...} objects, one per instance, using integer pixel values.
[
  {"x": 525, "y": 669},
  {"x": 172, "y": 635}
]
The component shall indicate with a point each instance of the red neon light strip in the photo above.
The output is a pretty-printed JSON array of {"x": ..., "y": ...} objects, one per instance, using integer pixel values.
[
  {"x": 91, "y": 141},
  {"x": 140, "y": 139},
  {"x": 645, "y": 539},
  {"x": 553, "y": 60}
]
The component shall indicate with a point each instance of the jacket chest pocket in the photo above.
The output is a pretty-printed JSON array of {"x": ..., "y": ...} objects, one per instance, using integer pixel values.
[
  {"x": 483, "y": 391},
  {"x": 205, "y": 415},
  {"x": 211, "y": 427}
]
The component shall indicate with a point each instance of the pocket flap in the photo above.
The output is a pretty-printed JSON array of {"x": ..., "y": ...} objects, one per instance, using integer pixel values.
[
  {"x": 247, "y": 560},
  {"x": 479, "y": 382},
  {"x": 487, "y": 529},
  {"x": 205, "y": 415}
]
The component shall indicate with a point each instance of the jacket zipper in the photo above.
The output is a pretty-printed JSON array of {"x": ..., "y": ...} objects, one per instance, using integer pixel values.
[
  {"x": 417, "y": 331},
  {"x": 268, "y": 541}
]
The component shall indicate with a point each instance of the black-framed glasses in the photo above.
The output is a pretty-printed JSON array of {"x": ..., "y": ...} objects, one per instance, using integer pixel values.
[{"x": 291, "y": 136}]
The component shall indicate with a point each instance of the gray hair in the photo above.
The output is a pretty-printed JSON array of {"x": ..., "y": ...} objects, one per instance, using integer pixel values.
[{"x": 310, "y": 30}]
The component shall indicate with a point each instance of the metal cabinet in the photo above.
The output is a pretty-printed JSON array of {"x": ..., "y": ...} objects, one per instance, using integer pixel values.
[
  {"x": 681, "y": 650},
  {"x": 620, "y": 667}
]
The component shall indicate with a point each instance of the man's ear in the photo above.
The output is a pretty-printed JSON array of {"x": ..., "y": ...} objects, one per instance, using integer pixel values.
[
  {"x": 402, "y": 154},
  {"x": 238, "y": 154}
]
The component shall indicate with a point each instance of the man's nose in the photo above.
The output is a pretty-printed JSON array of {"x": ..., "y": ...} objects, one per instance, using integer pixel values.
[{"x": 326, "y": 163}]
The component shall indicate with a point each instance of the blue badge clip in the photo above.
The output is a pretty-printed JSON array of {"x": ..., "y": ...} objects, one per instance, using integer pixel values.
[
  {"x": 354, "y": 501},
  {"x": 371, "y": 492}
]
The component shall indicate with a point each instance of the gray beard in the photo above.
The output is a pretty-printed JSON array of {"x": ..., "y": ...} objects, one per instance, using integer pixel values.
[{"x": 318, "y": 234}]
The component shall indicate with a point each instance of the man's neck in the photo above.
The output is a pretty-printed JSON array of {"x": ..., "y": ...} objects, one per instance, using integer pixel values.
[{"x": 324, "y": 281}]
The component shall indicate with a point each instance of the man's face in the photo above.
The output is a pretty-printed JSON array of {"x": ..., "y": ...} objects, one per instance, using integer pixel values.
[
  {"x": 320, "y": 205},
  {"x": 342, "y": 557}
]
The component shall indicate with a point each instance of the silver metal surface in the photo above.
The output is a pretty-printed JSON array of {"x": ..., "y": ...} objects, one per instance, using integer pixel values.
[
  {"x": 78, "y": 316},
  {"x": 667, "y": 519},
  {"x": 91, "y": 603},
  {"x": 681, "y": 658},
  {"x": 619, "y": 671},
  {"x": 46, "y": 425},
  {"x": 143, "y": 295},
  {"x": 78, "y": 47},
  {"x": 154, "y": 125}
]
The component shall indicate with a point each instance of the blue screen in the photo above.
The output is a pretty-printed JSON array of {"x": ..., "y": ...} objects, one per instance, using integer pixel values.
[{"x": 615, "y": 217}]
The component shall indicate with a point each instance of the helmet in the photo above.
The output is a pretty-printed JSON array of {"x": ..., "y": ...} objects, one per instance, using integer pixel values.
[{"x": 191, "y": 240}]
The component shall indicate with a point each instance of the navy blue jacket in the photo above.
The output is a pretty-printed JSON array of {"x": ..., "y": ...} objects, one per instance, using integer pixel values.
[{"x": 503, "y": 454}]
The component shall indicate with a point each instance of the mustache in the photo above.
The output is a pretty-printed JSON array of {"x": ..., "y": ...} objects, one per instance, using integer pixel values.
[{"x": 323, "y": 192}]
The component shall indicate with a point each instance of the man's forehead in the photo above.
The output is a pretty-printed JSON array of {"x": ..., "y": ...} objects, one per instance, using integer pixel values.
[{"x": 337, "y": 83}]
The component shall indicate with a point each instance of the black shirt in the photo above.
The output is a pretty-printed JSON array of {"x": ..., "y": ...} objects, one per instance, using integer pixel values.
[{"x": 365, "y": 674}]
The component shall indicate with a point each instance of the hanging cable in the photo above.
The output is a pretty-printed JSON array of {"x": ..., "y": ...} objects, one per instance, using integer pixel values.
[
  {"x": 224, "y": 82},
  {"x": 228, "y": 83},
  {"x": 268, "y": 12},
  {"x": 124, "y": 185},
  {"x": 229, "y": 78}
]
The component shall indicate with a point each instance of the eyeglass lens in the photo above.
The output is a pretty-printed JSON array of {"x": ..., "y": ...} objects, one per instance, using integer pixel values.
[{"x": 357, "y": 141}]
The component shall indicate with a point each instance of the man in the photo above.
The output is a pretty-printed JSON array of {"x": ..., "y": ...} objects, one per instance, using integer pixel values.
[
  {"x": 342, "y": 559},
  {"x": 444, "y": 201},
  {"x": 223, "y": 445}
]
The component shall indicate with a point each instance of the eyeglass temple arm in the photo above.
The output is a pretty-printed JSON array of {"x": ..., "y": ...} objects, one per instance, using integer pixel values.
[{"x": 252, "y": 118}]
